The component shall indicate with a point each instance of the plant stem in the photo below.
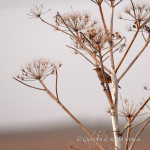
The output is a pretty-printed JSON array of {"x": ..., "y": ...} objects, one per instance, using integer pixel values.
[
  {"x": 139, "y": 110},
  {"x": 70, "y": 114},
  {"x": 128, "y": 134},
  {"x": 139, "y": 132},
  {"x": 136, "y": 33},
  {"x": 114, "y": 117},
  {"x": 130, "y": 65}
]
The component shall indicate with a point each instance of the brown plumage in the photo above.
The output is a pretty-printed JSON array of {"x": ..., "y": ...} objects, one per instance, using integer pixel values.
[{"x": 100, "y": 76}]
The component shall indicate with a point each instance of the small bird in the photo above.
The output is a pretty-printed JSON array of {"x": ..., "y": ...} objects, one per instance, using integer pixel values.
[
  {"x": 107, "y": 76},
  {"x": 100, "y": 75}
]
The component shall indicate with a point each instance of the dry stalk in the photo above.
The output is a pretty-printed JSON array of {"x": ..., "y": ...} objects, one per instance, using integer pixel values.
[
  {"x": 134, "y": 60},
  {"x": 39, "y": 70}
]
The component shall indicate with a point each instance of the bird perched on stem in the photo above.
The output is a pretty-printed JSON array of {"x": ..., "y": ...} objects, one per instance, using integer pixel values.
[{"x": 101, "y": 77}]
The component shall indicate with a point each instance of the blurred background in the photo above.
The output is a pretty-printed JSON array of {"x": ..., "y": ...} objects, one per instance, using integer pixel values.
[{"x": 29, "y": 119}]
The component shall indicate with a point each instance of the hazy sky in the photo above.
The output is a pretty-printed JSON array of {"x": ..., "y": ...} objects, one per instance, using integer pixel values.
[{"x": 23, "y": 39}]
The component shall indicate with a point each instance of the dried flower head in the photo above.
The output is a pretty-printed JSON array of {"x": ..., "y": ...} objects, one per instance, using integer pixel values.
[
  {"x": 138, "y": 13},
  {"x": 74, "y": 21},
  {"x": 38, "y": 69},
  {"x": 37, "y": 11},
  {"x": 128, "y": 110},
  {"x": 92, "y": 38}
]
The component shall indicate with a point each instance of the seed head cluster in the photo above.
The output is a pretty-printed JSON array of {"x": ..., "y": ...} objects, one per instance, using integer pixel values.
[
  {"x": 128, "y": 111},
  {"x": 94, "y": 37},
  {"x": 138, "y": 14},
  {"x": 75, "y": 21},
  {"x": 37, "y": 11},
  {"x": 38, "y": 69}
]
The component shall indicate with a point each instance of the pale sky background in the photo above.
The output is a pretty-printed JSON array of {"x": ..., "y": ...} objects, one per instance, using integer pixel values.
[{"x": 23, "y": 39}]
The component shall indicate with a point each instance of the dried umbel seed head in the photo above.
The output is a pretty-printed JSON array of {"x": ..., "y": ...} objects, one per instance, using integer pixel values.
[
  {"x": 74, "y": 21},
  {"x": 37, "y": 11},
  {"x": 38, "y": 69},
  {"x": 129, "y": 110},
  {"x": 92, "y": 37},
  {"x": 137, "y": 13}
]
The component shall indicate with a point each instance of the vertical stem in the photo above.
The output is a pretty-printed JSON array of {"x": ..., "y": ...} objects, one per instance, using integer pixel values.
[
  {"x": 114, "y": 117},
  {"x": 127, "y": 139},
  {"x": 128, "y": 134}
]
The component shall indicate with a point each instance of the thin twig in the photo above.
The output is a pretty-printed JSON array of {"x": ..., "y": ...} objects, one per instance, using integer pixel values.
[
  {"x": 118, "y": 3},
  {"x": 112, "y": 47},
  {"x": 134, "y": 12},
  {"x": 28, "y": 85},
  {"x": 109, "y": 56},
  {"x": 107, "y": 3},
  {"x": 65, "y": 24},
  {"x": 70, "y": 114},
  {"x": 126, "y": 126},
  {"x": 88, "y": 41},
  {"x": 139, "y": 123},
  {"x": 81, "y": 54},
  {"x": 133, "y": 61},
  {"x": 93, "y": 1},
  {"x": 127, "y": 50},
  {"x": 104, "y": 23},
  {"x": 144, "y": 23},
  {"x": 54, "y": 26},
  {"x": 57, "y": 84},
  {"x": 143, "y": 36}
]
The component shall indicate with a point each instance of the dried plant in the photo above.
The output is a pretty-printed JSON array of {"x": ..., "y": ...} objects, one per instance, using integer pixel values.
[
  {"x": 38, "y": 69},
  {"x": 96, "y": 43},
  {"x": 37, "y": 12},
  {"x": 75, "y": 21},
  {"x": 129, "y": 110},
  {"x": 139, "y": 14}
]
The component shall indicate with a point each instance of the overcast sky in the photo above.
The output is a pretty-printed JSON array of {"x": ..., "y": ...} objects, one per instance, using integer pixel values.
[{"x": 23, "y": 39}]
